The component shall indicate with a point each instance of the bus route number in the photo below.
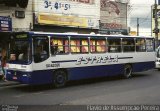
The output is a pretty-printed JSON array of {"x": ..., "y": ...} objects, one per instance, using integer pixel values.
[{"x": 53, "y": 65}]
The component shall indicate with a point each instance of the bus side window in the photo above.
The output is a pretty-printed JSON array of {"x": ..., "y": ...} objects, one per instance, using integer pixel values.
[
  {"x": 92, "y": 46},
  {"x": 98, "y": 45},
  {"x": 84, "y": 47},
  {"x": 79, "y": 45},
  {"x": 54, "y": 49},
  {"x": 140, "y": 45},
  {"x": 114, "y": 45},
  {"x": 59, "y": 46},
  {"x": 149, "y": 45},
  {"x": 128, "y": 44}
]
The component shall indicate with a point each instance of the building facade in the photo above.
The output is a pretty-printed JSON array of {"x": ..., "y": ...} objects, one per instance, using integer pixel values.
[
  {"x": 14, "y": 16},
  {"x": 20, "y": 17},
  {"x": 80, "y": 16},
  {"x": 65, "y": 15}
]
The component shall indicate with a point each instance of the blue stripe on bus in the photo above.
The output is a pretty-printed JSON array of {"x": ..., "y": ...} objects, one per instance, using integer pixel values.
[
  {"x": 76, "y": 60},
  {"x": 125, "y": 57},
  {"x": 64, "y": 61}
]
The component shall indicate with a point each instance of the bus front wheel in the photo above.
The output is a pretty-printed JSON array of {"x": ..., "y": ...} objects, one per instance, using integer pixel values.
[
  {"x": 60, "y": 78},
  {"x": 127, "y": 71}
]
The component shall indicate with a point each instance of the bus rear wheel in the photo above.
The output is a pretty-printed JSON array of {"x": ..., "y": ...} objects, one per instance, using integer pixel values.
[
  {"x": 60, "y": 78},
  {"x": 127, "y": 71}
]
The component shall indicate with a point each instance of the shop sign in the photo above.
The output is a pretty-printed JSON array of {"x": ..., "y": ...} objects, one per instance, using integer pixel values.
[
  {"x": 62, "y": 20},
  {"x": 5, "y": 24}
]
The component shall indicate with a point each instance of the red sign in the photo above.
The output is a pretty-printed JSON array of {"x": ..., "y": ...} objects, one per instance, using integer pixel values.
[{"x": 111, "y": 26}]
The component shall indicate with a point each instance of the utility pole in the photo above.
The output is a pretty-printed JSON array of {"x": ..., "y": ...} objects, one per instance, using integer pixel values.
[
  {"x": 156, "y": 24},
  {"x": 137, "y": 26}
]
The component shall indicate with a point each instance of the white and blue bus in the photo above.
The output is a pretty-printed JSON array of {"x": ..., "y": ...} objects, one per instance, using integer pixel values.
[{"x": 43, "y": 58}]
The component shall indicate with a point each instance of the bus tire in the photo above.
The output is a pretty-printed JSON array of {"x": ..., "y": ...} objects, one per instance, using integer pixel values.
[
  {"x": 127, "y": 71},
  {"x": 60, "y": 78}
]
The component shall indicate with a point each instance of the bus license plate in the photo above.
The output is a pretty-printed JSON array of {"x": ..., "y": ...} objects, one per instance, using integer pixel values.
[{"x": 15, "y": 78}]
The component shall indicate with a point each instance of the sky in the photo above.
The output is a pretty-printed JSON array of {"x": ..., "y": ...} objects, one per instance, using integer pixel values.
[{"x": 140, "y": 9}]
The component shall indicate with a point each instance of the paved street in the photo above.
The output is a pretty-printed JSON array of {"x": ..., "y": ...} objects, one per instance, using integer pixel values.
[{"x": 142, "y": 88}]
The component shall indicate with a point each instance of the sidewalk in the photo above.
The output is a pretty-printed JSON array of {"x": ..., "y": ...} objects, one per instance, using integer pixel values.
[{"x": 7, "y": 83}]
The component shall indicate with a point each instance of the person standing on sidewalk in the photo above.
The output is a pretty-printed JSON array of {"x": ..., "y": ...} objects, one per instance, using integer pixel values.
[
  {"x": 3, "y": 63},
  {"x": 4, "y": 67},
  {"x": 1, "y": 71}
]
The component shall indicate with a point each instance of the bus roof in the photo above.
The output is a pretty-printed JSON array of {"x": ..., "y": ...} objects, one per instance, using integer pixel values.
[{"x": 91, "y": 35}]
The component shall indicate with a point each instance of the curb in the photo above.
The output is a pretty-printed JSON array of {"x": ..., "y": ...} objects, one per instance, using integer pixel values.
[{"x": 8, "y": 83}]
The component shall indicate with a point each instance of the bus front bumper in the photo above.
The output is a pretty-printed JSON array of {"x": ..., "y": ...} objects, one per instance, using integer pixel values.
[{"x": 31, "y": 78}]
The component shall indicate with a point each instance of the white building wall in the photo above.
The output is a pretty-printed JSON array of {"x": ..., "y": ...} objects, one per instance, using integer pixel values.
[{"x": 18, "y": 24}]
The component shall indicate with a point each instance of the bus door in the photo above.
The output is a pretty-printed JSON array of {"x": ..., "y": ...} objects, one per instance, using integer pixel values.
[{"x": 40, "y": 51}]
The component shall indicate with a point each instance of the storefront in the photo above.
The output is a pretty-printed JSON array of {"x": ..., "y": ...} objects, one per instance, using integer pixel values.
[{"x": 5, "y": 30}]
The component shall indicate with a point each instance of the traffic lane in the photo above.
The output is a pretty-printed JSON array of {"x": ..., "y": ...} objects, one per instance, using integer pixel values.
[{"x": 143, "y": 88}]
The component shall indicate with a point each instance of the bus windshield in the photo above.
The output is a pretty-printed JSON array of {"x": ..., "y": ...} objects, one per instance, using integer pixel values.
[{"x": 20, "y": 49}]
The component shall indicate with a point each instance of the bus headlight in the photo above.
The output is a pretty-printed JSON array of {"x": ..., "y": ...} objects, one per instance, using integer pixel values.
[
  {"x": 8, "y": 72},
  {"x": 26, "y": 75}
]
